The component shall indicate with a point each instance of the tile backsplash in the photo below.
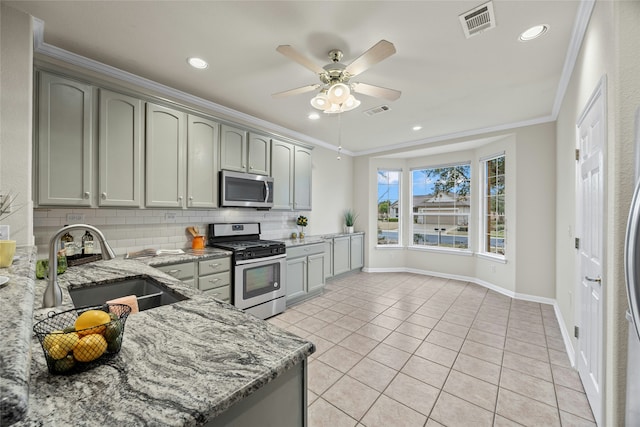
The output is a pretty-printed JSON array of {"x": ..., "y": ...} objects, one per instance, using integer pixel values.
[{"x": 129, "y": 230}]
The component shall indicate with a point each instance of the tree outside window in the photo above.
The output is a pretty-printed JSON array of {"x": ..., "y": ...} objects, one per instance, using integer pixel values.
[
  {"x": 494, "y": 206},
  {"x": 389, "y": 207},
  {"x": 441, "y": 206}
]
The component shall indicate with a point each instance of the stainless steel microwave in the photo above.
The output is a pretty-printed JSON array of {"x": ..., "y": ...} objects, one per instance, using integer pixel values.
[{"x": 245, "y": 190}]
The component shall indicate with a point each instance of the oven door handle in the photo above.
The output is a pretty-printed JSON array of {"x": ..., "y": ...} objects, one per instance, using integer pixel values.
[{"x": 261, "y": 260}]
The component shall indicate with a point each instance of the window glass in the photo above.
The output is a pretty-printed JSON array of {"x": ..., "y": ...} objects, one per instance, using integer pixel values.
[
  {"x": 493, "y": 206},
  {"x": 389, "y": 207},
  {"x": 441, "y": 206}
]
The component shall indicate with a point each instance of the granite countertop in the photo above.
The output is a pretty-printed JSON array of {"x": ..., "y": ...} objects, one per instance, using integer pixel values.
[
  {"x": 180, "y": 364},
  {"x": 188, "y": 255},
  {"x": 310, "y": 240}
]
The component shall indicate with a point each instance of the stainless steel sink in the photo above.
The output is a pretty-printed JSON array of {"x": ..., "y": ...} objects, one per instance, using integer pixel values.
[{"x": 150, "y": 293}]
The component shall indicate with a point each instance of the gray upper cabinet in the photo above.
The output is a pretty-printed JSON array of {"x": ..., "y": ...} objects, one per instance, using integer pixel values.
[
  {"x": 291, "y": 172},
  {"x": 165, "y": 154},
  {"x": 65, "y": 143},
  {"x": 282, "y": 155},
  {"x": 233, "y": 149},
  {"x": 120, "y": 150},
  {"x": 244, "y": 152},
  {"x": 259, "y": 154},
  {"x": 202, "y": 158},
  {"x": 302, "y": 179}
]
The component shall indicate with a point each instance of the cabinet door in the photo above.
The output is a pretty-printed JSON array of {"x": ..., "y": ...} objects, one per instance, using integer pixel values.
[
  {"x": 165, "y": 146},
  {"x": 282, "y": 174},
  {"x": 328, "y": 258},
  {"x": 302, "y": 179},
  {"x": 259, "y": 154},
  {"x": 65, "y": 144},
  {"x": 315, "y": 272},
  {"x": 341, "y": 257},
  {"x": 120, "y": 150},
  {"x": 233, "y": 149},
  {"x": 357, "y": 251},
  {"x": 202, "y": 161},
  {"x": 296, "y": 278}
]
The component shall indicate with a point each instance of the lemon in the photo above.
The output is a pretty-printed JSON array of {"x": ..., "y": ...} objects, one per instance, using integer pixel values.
[
  {"x": 66, "y": 342},
  {"x": 92, "y": 322},
  {"x": 89, "y": 348},
  {"x": 57, "y": 352}
]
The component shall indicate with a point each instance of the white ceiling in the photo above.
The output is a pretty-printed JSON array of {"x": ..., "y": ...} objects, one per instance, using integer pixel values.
[{"x": 450, "y": 85}]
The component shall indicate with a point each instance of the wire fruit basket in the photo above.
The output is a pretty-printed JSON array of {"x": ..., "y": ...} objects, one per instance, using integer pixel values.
[{"x": 69, "y": 349}]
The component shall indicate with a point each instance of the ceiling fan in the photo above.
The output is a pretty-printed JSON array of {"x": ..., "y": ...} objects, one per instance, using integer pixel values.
[{"x": 335, "y": 88}]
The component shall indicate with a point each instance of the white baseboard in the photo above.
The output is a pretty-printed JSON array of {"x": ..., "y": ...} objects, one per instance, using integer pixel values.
[{"x": 525, "y": 297}]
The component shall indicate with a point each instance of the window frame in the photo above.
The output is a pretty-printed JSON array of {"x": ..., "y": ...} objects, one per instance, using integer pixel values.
[
  {"x": 468, "y": 250},
  {"x": 400, "y": 173},
  {"x": 483, "y": 231}
]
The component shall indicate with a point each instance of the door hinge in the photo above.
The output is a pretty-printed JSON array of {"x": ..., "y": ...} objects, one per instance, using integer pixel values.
[
  {"x": 577, "y": 154},
  {"x": 576, "y": 332},
  {"x": 577, "y": 243}
]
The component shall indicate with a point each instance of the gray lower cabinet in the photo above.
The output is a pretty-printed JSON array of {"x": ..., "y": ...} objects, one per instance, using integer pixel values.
[
  {"x": 65, "y": 141},
  {"x": 212, "y": 276},
  {"x": 346, "y": 253},
  {"x": 341, "y": 255},
  {"x": 305, "y": 271},
  {"x": 281, "y": 402}
]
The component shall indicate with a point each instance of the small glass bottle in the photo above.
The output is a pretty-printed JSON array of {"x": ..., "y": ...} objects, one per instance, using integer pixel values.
[
  {"x": 67, "y": 243},
  {"x": 87, "y": 243}
]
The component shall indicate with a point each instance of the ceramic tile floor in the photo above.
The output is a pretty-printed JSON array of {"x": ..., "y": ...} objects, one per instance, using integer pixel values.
[{"x": 399, "y": 349}]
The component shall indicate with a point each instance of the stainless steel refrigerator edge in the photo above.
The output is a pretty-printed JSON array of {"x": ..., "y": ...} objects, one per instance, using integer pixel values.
[{"x": 632, "y": 274}]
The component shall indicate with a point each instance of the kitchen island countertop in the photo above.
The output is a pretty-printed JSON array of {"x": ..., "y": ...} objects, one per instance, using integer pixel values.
[{"x": 180, "y": 364}]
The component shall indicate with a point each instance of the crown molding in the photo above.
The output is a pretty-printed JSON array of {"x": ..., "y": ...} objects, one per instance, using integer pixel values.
[{"x": 43, "y": 48}]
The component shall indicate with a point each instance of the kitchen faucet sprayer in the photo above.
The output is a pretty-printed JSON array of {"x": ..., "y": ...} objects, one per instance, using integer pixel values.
[{"x": 53, "y": 292}]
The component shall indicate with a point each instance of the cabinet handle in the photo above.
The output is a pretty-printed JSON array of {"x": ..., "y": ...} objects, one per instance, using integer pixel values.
[
  {"x": 592, "y": 279},
  {"x": 213, "y": 280},
  {"x": 213, "y": 265},
  {"x": 104, "y": 195},
  {"x": 173, "y": 272},
  {"x": 86, "y": 194},
  {"x": 244, "y": 165},
  {"x": 179, "y": 198}
]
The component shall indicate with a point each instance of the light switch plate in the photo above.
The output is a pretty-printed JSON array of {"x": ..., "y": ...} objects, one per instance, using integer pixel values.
[{"x": 4, "y": 232}]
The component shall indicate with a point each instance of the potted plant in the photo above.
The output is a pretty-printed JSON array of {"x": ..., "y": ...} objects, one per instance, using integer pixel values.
[{"x": 349, "y": 220}]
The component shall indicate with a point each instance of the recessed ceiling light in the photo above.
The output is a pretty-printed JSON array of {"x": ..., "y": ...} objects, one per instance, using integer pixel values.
[
  {"x": 313, "y": 116},
  {"x": 199, "y": 63},
  {"x": 418, "y": 127},
  {"x": 533, "y": 33}
]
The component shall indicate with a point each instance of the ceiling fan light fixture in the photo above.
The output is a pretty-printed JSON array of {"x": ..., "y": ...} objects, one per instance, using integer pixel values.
[
  {"x": 350, "y": 103},
  {"x": 320, "y": 101},
  {"x": 338, "y": 93}
]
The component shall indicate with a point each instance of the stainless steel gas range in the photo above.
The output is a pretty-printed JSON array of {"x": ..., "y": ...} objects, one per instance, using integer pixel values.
[{"x": 259, "y": 267}]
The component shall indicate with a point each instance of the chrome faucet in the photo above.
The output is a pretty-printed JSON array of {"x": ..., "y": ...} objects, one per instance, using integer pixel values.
[{"x": 53, "y": 293}]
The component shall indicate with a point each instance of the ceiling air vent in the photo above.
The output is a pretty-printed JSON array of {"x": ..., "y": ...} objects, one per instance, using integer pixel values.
[
  {"x": 377, "y": 110},
  {"x": 478, "y": 20}
]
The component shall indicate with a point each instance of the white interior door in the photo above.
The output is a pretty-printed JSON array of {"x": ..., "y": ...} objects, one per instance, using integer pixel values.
[{"x": 590, "y": 220}]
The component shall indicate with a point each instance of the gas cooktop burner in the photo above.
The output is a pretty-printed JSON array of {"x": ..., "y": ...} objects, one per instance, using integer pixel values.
[{"x": 249, "y": 244}]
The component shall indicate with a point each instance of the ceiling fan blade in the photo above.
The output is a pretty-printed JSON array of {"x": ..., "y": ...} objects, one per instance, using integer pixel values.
[
  {"x": 381, "y": 50},
  {"x": 296, "y": 56},
  {"x": 296, "y": 91},
  {"x": 377, "y": 91}
]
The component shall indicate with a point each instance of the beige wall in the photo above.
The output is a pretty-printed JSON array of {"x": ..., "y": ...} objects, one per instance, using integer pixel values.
[
  {"x": 16, "y": 64},
  {"x": 529, "y": 270},
  {"x": 610, "y": 50}
]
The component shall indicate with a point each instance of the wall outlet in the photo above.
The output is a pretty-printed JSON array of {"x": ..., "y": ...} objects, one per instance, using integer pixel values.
[
  {"x": 74, "y": 218},
  {"x": 492, "y": 268},
  {"x": 5, "y": 232},
  {"x": 170, "y": 216}
]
